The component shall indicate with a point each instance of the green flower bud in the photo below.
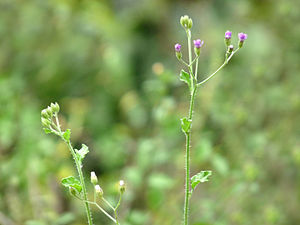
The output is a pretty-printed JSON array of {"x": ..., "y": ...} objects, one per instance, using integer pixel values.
[
  {"x": 122, "y": 186},
  {"x": 178, "y": 55},
  {"x": 227, "y": 42},
  {"x": 186, "y": 22},
  {"x": 46, "y": 122},
  {"x": 229, "y": 51},
  {"x": 190, "y": 23},
  {"x": 44, "y": 114},
  {"x": 99, "y": 191},
  {"x": 94, "y": 179},
  {"x": 55, "y": 107},
  {"x": 49, "y": 111},
  {"x": 197, "y": 51}
]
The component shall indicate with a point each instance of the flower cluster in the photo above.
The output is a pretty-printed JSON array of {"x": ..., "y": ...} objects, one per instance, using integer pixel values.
[
  {"x": 47, "y": 115},
  {"x": 242, "y": 37},
  {"x": 187, "y": 22},
  {"x": 191, "y": 79}
]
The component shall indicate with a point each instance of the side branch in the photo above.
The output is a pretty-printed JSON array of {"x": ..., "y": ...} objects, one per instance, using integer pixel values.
[{"x": 221, "y": 67}]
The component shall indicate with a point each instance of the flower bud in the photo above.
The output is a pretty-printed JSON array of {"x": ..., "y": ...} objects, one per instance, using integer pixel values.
[
  {"x": 197, "y": 46},
  {"x": 55, "y": 107},
  {"x": 49, "y": 111},
  {"x": 186, "y": 22},
  {"x": 44, "y": 114},
  {"x": 229, "y": 51},
  {"x": 99, "y": 191},
  {"x": 242, "y": 38},
  {"x": 46, "y": 122},
  {"x": 228, "y": 38},
  {"x": 94, "y": 179},
  {"x": 190, "y": 23},
  {"x": 178, "y": 51},
  {"x": 122, "y": 186}
]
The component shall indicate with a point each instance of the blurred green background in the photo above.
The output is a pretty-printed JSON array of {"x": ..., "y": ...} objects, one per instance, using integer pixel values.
[{"x": 111, "y": 67}]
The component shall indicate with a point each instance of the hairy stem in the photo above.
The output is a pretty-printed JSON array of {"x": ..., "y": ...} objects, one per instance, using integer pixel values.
[
  {"x": 188, "y": 134},
  {"x": 78, "y": 167},
  {"x": 187, "y": 159},
  {"x": 81, "y": 178}
]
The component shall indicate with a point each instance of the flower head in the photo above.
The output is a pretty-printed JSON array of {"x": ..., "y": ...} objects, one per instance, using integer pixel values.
[
  {"x": 99, "y": 191},
  {"x": 228, "y": 34},
  {"x": 243, "y": 36},
  {"x": 177, "y": 47},
  {"x": 198, "y": 43},
  {"x": 94, "y": 179},
  {"x": 121, "y": 186}
]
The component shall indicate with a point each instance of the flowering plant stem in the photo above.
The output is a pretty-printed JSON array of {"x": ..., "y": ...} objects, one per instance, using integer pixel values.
[
  {"x": 77, "y": 188},
  {"x": 186, "y": 123},
  {"x": 81, "y": 178}
]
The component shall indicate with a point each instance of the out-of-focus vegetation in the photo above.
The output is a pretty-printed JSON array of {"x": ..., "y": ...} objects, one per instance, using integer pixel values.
[{"x": 111, "y": 66}]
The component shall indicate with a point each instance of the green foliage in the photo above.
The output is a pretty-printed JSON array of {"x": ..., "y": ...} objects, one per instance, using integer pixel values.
[
  {"x": 82, "y": 152},
  {"x": 113, "y": 72},
  {"x": 185, "y": 125},
  {"x": 185, "y": 77},
  {"x": 200, "y": 178},
  {"x": 72, "y": 182},
  {"x": 67, "y": 135}
]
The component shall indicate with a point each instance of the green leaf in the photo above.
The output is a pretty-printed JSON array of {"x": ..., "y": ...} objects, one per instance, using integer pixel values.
[
  {"x": 82, "y": 152},
  {"x": 47, "y": 130},
  {"x": 72, "y": 182},
  {"x": 185, "y": 77},
  {"x": 200, "y": 178},
  {"x": 185, "y": 124},
  {"x": 67, "y": 135}
]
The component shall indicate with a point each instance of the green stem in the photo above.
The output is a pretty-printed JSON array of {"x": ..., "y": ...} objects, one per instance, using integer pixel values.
[
  {"x": 196, "y": 70},
  {"x": 188, "y": 32},
  {"x": 187, "y": 159},
  {"x": 110, "y": 206},
  {"x": 115, "y": 210},
  {"x": 221, "y": 67},
  {"x": 81, "y": 178}
]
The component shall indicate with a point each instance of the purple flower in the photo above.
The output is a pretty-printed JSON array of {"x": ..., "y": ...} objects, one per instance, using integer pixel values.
[
  {"x": 243, "y": 36},
  {"x": 228, "y": 34},
  {"x": 177, "y": 47},
  {"x": 198, "y": 43}
]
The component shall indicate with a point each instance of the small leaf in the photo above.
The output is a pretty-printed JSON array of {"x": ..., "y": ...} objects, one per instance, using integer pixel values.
[
  {"x": 67, "y": 135},
  {"x": 47, "y": 130},
  {"x": 200, "y": 178},
  {"x": 185, "y": 77},
  {"x": 72, "y": 182},
  {"x": 82, "y": 152},
  {"x": 185, "y": 125}
]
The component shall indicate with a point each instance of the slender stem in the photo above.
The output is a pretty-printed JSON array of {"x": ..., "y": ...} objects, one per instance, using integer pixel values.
[
  {"x": 188, "y": 32},
  {"x": 99, "y": 207},
  {"x": 108, "y": 203},
  {"x": 187, "y": 159},
  {"x": 117, "y": 206},
  {"x": 102, "y": 210},
  {"x": 81, "y": 178},
  {"x": 224, "y": 64},
  {"x": 196, "y": 70},
  {"x": 183, "y": 62}
]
